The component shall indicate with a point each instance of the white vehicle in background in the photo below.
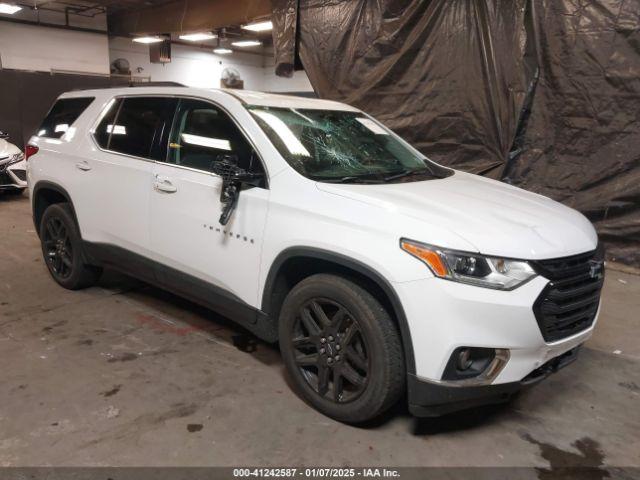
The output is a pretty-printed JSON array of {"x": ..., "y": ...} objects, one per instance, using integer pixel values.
[
  {"x": 379, "y": 272},
  {"x": 13, "y": 175}
]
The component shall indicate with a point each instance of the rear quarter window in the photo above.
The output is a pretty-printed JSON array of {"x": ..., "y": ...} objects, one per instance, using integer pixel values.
[{"x": 62, "y": 115}]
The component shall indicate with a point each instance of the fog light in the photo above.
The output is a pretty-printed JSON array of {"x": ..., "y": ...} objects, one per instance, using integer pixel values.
[
  {"x": 468, "y": 362},
  {"x": 464, "y": 359}
]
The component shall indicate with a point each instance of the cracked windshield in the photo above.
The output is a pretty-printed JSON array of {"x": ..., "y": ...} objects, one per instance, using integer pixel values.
[{"x": 343, "y": 146}]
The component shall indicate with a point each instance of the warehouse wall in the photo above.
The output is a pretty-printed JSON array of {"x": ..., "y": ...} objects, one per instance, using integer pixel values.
[
  {"x": 191, "y": 66},
  {"x": 298, "y": 83},
  {"x": 29, "y": 53},
  {"x": 42, "y": 49},
  {"x": 26, "y": 97},
  {"x": 197, "y": 67},
  {"x": 30, "y": 47},
  {"x": 272, "y": 83}
]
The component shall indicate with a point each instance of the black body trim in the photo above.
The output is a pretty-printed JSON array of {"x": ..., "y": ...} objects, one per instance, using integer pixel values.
[
  {"x": 355, "y": 265},
  {"x": 175, "y": 281},
  {"x": 431, "y": 399},
  {"x": 428, "y": 399}
]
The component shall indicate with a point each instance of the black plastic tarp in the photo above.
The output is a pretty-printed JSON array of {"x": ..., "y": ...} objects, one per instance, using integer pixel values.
[{"x": 544, "y": 94}]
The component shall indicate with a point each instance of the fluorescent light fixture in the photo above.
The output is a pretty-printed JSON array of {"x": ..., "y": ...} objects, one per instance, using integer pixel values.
[
  {"x": 246, "y": 43},
  {"x": 198, "y": 37},
  {"x": 117, "y": 129},
  {"x": 222, "y": 51},
  {"x": 148, "y": 39},
  {"x": 282, "y": 130},
  {"x": 8, "y": 8},
  {"x": 216, "y": 143},
  {"x": 259, "y": 26}
]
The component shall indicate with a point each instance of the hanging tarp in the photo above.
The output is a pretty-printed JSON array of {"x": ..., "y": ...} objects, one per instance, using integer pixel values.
[{"x": 543, "y": 94}]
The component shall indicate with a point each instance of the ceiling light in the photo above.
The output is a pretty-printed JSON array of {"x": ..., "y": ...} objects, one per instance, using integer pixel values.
[
  {"x": 9, "y": 9},
  {"x": 246, "y": 43},
  {"x": 222, "y": 51},
  {"x": 259, "y": 26},
  {"x": 198, "y": 37},
  {"x": 148, "y": 39}
]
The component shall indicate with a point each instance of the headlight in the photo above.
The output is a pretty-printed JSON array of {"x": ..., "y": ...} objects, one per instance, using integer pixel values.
[{"x": 471, "y": 268}]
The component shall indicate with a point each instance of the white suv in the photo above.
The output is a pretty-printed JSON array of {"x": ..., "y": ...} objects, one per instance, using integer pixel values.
[{"x": 378, "y": 271}]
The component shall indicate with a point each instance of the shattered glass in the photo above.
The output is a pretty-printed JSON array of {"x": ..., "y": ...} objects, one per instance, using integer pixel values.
[{"x": 332, "y": 144}]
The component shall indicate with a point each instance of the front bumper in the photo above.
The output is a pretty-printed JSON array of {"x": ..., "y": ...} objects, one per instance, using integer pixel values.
[
  {"x": 13, "y": 176},
  {"x": 443, "y": 316},
  {"x": 433, "y": 399}
]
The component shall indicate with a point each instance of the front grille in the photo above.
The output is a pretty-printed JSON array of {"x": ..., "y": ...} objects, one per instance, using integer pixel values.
[{"x": 569, "y": 303}]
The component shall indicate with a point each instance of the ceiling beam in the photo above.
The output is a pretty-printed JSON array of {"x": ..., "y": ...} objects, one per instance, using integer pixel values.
[{"x": 187, "y": 15}]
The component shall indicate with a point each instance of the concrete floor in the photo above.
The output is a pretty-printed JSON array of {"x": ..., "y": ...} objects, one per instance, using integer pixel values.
[{"x": 125, "y": 374}]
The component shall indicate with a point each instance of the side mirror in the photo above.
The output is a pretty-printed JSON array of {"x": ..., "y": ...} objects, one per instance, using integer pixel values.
[
  {"x": 232, "y": 179},
  {"x": 3, "y": 136}
]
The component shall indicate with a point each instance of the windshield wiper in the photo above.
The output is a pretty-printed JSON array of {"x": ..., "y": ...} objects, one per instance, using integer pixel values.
[
  {"x": 407, "y": 173},
  {"x": 347, "y": 179},
  {"x": 356, "y": 179}
]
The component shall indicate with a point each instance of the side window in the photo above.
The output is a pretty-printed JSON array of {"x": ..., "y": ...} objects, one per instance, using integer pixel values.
[
  {"x": 62, "y": 115},
  {"x": 103, "y": 131},
  {"x": 140, "y": 125},
  {"x": 204, "y": 134}
]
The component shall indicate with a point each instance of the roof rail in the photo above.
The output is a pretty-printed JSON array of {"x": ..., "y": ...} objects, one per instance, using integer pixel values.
[{"x": 156, "y": 84}]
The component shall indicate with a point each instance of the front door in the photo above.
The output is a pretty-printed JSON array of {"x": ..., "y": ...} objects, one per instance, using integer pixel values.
[{"x": 186, "y": 236}]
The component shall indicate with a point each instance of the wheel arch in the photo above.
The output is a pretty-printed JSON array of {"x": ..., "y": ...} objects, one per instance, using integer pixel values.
[
  {"x": 47, "y": 193},
  {"x": 296, "y": 263}
]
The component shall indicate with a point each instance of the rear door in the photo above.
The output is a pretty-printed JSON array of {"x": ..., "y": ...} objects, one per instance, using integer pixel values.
[
  {"x": 185, "y": 207},
  {"x": 129, "y": 137}
]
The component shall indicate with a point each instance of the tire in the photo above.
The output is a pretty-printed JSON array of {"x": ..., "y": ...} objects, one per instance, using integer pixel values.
[
  {"x": 346, "y": 358},
  {"x": 62, "y": 249}
]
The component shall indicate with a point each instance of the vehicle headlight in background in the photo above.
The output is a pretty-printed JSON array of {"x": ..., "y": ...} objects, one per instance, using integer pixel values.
[
  {"x": 471, "y": 268},
  {"x": 18, "y": 157}
]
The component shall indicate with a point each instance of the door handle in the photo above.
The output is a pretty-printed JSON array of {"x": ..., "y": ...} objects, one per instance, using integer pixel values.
[
  {"x": 163, "y": 184},
  {"x": 83, "y": 165}
]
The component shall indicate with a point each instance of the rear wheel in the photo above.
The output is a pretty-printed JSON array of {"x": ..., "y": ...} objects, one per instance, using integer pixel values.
[
  {"x": 62, "y": 249},
  {"x": 341, "y": 348}
]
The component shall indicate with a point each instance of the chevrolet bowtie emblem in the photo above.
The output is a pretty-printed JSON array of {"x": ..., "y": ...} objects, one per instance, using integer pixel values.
[{"x": 595, "y": 269}]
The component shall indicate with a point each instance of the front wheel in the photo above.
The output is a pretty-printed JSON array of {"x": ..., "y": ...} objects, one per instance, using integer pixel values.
[
  {"x": 341, "y": 348},
  {"x": 62, "y": 249}
]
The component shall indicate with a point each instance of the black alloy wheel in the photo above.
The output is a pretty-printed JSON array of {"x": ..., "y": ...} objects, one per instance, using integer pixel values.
[
  {"x": 331, "y": 352},
  {"x": 62, "y": 248},
  {"x": 341, "y": 348},
  {"x": 57, "y": 248}
]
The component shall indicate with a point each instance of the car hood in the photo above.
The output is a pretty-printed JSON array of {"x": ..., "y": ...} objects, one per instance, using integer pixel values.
[
  {"x": 7, "y": 149},
  {"x": 496, "y": 218}
]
